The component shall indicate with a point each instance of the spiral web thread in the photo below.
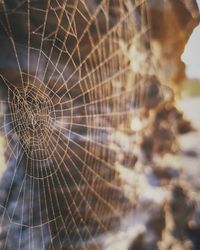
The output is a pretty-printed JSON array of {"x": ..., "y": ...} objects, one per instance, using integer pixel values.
[{"x": 73, "y": 88}]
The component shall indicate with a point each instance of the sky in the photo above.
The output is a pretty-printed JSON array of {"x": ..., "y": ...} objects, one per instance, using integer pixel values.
[{"x": 191, "y": 56}]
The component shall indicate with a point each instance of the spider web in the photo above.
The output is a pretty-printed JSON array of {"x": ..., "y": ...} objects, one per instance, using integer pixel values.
[{"x": 73, "y": 87}]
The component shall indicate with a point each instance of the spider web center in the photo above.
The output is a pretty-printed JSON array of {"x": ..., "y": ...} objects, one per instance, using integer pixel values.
[{"x": 32, "y": 113}]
